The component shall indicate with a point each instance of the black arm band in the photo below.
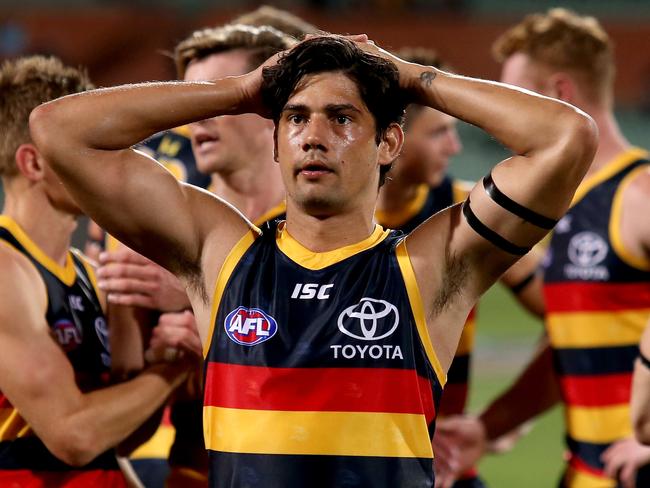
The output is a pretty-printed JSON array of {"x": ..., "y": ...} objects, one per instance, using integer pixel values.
[
  {"x": 510, "y": 205},
  {"x": 517, "y": 287},
  {"x": 488, "y": 234},
  {"x": 644, "y": 360}
]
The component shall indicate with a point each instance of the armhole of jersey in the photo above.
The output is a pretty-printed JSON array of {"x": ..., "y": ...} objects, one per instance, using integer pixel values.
[
  {"x": 90, "y": 271},
  {"x": 615, "y": 225},
  {"x": 460, "y": 190},
  {"x": 225, "y": 272},
  {"x": 415, "y": 300},
  {"x": 47, "y": 297}
]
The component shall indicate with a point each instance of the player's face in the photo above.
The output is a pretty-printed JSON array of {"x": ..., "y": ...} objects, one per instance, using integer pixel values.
[
  {"x": 230, "y": 142},
  {"x": 519, "y": 70},
  {"x": 430, "y": 140},
  {"x": 326, "y": 145}
]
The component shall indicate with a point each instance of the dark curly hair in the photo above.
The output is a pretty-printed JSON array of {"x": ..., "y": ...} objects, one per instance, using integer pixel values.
[{"x": 376, "y": 78}]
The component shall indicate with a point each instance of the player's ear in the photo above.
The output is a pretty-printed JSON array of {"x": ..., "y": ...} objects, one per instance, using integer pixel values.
[
  {"x": 390, "y": 144},
  {"x": 29, "y": 162}
]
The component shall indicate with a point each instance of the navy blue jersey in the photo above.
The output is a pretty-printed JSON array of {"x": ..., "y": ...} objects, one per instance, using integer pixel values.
[{"x": 319, "y": 367}]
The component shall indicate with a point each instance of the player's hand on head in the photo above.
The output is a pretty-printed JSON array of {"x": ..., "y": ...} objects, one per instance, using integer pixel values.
[
  {"x": 130, "y": 279},
  {"x": 623, "y": 459},
  {"x": 175, "y": 337}
]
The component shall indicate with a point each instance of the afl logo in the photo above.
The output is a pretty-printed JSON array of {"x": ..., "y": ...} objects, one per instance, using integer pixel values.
[
  {"x": 587, "y": 249},
  {"x": 249, "y": 326},
  {"x": 67, "y": 334},
  {"x": 369, "y": 320}
]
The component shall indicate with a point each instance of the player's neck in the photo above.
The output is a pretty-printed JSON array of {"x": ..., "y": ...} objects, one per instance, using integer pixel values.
[
  {"x": 326, "y": 234},
  {"x": 253, "y": 190},
  {"x": 611, "y": 141},
  {"x": 396, "y": 194},
  {"x": 50, "y": 229}
]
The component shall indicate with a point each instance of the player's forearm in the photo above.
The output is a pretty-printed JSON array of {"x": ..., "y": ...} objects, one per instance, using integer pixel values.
[
  {"x": 108, "y": 416},
  {"x": 119, "y": 117},
  {"x": 524, "y": 122},
  {"x": 534, "y": 392}
]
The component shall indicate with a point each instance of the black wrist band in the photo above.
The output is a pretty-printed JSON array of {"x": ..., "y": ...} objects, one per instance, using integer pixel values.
[
  {"x": 644, "y": 360},
  {"x": 488, "y": 234},
  {"x": 516, "y": 288},
  {"x": 511, "y": 206}
]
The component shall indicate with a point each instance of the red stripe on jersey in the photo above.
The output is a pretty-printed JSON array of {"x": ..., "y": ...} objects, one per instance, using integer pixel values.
[
  {"x": 454, "y": 398},
  {"x": 4, "y": 402},
  {"x": 472, "y": 314},
  {"x": 301, "y": 389},
  {"x": 597, "y": 390},
  {"x": 579, "y": 465},
  {"x": 587, "y": 297},
  {"x": 64, "y": 479}
]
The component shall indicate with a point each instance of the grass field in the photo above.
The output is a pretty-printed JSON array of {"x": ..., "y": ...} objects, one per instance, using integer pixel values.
[{"x": 506, "y": 336}]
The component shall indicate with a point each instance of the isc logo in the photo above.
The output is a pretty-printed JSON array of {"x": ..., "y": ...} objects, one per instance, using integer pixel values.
[
  {"x": 249, "y": 326},
  {"x": 307, "y": 291}
]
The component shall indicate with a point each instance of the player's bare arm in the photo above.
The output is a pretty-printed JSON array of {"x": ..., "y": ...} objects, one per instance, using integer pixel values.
[
  {"x": 39, "y": 381},
  {"x": 87, "y": 138},
  {"x": 511, "y": 209}
]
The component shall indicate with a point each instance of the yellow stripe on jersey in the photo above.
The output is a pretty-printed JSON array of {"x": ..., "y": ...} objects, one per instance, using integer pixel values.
[
  {"x": 272, "y": 213},
  {"x": 65, "y": 273},
  {"x": 596, "y": 329},
  {"x": 606, "y": 172},
  {"x": 12, "y": 425},
  {"x": 395, "y": 220},
  {"x": 309, "y": 259},
  {"x": 316, "y": 433},
  {"x": 227, "y": 268},
  {"x": 415, "y": 299},
  {"x": 615, "y": 235},
  {"x": 580, "y": 479},
  {"x": 158, "y": 446},
  {"x": 466, "y": 343},
  {"x": 599, "y": 424},
  {"x": 183, "y": 130}
]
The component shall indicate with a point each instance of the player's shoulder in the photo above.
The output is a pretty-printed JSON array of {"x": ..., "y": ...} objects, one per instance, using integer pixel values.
[
  {"x": 461, "y": 189},
  {"x": 20, "y": 277},
  {"x": 637, "y": 189}
]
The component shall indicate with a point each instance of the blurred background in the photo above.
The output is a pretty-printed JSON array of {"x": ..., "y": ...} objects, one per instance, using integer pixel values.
[{"x": 125, "y": 41}]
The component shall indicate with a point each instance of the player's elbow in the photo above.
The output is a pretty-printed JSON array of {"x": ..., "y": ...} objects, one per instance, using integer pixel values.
[
  {"x": 76, "y": 446},
  {"x": 641, "y": 423},
  {"x": 47, "y": 126},
  {"x": 578, "y": 142}
]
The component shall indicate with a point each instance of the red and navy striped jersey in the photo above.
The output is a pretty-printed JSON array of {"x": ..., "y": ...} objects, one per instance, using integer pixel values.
[
  {"x": 77, "y": 322},
  {"x": 598, "y": 303},
  {"x": 319, "y": 368}
]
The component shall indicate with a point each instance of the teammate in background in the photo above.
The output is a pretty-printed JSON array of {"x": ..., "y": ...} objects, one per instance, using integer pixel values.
[
  {"x": 597, "y": 272},
  {"x": 237, "y": 151},
  {"x": 282, "y": 20},
  {"x": 418, "y": 186},
  {"x": 61, "y": 413},
  {"x": 290, "y": 399}
]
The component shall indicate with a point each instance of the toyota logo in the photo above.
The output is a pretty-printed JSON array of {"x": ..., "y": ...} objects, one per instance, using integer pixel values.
[
  {"x": 369, "y": 320},
  {"x": 587, "y": 249}
]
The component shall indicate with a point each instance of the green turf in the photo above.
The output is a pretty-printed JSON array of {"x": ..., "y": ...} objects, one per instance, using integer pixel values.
[{"x": 506, "y": 336}]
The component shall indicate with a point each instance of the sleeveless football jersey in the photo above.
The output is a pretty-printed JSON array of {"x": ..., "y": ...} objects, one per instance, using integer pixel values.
[
  {"x": 319, "y": 369},
  {"x": 598, "y": 303},
  {"x": 426, "y": 203},
  {"x": 78, "y": 324}
]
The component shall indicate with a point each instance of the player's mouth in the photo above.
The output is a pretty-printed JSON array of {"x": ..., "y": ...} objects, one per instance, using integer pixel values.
[
  {"x": 204, "y": 141},
  {"x": 313, "y": 169}
]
